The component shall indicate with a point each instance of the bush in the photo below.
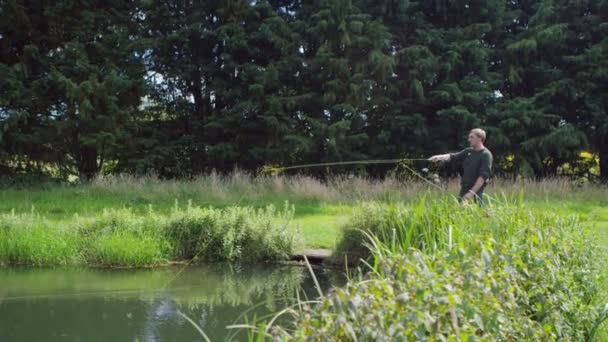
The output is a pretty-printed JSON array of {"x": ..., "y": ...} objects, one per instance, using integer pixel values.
[
  {"x": 120, "y": 237},
  {"x": 539, "y": 282},
  {"x": 366, "y": 218},
  {"x": 231, "y": 233}
]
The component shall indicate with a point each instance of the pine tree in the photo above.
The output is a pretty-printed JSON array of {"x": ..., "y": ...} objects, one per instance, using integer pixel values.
[
  {"x": 225, "y": 68},
  {"x": 255, "y": 126},
  {"x": 441, "y": 85},
  {"x": 532, "y": 120},
  {"x": 72, "y": 80},
  {"x": 241, "y": 83},
  {"x": 579, "y": 94},
  {"x": 345, "y": 64}
]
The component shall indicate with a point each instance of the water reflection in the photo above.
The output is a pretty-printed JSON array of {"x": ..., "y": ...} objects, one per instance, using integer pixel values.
[{"x": 142, "y": 305}]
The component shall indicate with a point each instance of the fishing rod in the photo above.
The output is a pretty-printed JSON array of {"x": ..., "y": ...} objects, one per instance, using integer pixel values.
[
  {"x": 275, "y": 170},
  {"x": 278, "y": 169}
]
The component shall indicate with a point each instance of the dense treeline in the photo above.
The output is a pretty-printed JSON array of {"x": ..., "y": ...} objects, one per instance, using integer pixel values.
[{"x": 183, "y": 87}]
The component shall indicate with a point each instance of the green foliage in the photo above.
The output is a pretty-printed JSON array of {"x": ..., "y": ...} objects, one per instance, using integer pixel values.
[
  {"x": 74, "y": 80},
  {"x": 432, "y": 225},
  {"x": 126, "y": 249},
  {"x": 121, "y": 237},
  {"x": 180, "y": 89},
  {"x": 233, "y": 233},
  {"x": 27, "y": 239},
  {"x": 29, "y": 180},
  {"x": 365, "y": 219},
  {"x": 523, "y": 293},
  {"x": 322, "y": 206},
  {"x": 537, "y": 278}
]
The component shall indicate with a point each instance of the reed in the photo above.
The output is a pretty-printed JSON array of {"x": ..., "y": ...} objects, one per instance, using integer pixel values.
[{"x": 436, "y": 270}]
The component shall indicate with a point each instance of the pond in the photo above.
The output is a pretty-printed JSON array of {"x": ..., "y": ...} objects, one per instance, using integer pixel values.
[{"x": 67, "y": 304}]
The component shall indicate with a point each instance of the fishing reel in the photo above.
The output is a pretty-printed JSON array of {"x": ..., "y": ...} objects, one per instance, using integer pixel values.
[
  {"x": 431, "y": 176},
  {"x": 419, "y": 170}
]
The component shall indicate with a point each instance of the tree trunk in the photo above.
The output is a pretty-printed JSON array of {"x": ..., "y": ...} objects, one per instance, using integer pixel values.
[
  {"x": 197, "y": 93},
  {"x": 603, "y": 154},
  {"x": 87, "y": 165}
]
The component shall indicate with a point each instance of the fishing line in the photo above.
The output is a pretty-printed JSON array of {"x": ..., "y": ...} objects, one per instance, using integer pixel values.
[
  {"x": 278, "y": 169},
  {"x": 188, "y": 264},
  {"x": 401, "y": 161},
  {"x": 421, "y": 176}
]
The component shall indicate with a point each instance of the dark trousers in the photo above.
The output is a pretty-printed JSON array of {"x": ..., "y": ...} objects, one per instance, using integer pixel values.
[{"x": 478, "y": 197}]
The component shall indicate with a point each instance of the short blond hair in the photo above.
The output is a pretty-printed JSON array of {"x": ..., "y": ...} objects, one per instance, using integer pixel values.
[{"x": 480, "y": 133}]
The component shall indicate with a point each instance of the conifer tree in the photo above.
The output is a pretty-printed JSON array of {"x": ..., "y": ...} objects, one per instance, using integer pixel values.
[
  {"x": 345, "y": 66},
  {"x": 70, "y": 82}
]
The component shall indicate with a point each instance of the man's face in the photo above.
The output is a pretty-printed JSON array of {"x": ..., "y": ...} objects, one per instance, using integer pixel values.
[{"x": 474, "y": 140}]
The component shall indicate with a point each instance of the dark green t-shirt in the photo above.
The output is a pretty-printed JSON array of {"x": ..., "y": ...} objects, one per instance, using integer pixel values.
[{"x": 475, "y": 164}]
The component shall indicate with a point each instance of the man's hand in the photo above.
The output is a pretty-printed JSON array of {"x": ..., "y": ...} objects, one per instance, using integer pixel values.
[
  {"x": 468, "y": 196},
  {"x": 440, "y": 158}
]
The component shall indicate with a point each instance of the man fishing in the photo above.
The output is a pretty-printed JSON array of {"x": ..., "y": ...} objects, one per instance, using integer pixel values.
[{"x": 476, "y": 163}]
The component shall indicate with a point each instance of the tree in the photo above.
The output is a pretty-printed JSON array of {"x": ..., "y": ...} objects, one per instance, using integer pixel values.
[
  {"x": 224, "y": 70},
  {"x": 533, "y": 120},
  {"x": 183, "y": 87},
  {"x": 580, "y": 93},
  {"x": 72, "y": 80},
  {"x": 441, "y": 85},
  {"x": 345, "y": 64}
]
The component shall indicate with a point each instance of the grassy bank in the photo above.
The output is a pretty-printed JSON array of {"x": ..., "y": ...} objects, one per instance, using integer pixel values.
[{"x": 122, "y": 237}]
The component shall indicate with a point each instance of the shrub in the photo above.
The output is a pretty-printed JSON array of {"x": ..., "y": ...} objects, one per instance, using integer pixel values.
[
  {"x": 425, "y": 226},
  {"x": 519, "y": 294},
  {"x": 231, "y": 233},
  {"x": 367, "y": 218},
  {"x": 111, "y": 221},
  {"x": 120, "y": 237},
  {"x": 29, "y": 181}
]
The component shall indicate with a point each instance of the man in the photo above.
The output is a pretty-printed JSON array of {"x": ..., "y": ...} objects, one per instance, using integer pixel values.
[{"x": 476, "y": 163}]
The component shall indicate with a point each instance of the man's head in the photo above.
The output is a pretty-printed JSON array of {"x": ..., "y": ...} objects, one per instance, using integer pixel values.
[{"x": 477, "y": 137}]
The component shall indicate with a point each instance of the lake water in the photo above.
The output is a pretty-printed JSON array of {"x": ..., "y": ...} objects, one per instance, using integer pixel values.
[{"x": 68, "y": 304}]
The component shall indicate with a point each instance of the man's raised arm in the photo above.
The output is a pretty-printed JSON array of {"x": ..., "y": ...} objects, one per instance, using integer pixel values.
[
  {"x": 457, "y": 157},
  {"x": 440, "y": 157}
]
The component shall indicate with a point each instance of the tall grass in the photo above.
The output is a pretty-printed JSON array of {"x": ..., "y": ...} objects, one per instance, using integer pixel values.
[
  {"x": 243, "y": 185},
  {"x": 126, "y": 249},
  {"x": 240, "y": 185},
  {"x": 241, "y": 188},
  {"x": 122, "y": 237},
  {"x": 434, "y": 224},
  {"x": 28, "y": 239}
]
